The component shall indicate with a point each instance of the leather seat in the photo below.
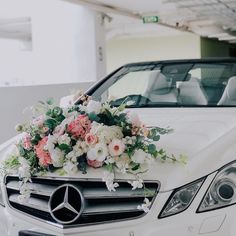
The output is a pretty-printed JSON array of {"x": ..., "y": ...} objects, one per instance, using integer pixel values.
[
  {"x": 229, "y": 96},
  {"x": 191, "y": 93}
]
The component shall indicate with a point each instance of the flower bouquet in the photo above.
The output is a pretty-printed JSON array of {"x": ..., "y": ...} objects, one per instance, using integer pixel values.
[{"x": 86, "y": 135}]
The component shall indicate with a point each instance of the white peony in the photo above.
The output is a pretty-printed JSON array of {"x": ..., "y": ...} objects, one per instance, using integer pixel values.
[
  {"x": 133, "y": 118},
  {"x": 139, "y": 156},
  {"x": 98, "y": 153},
  {"x": 64, "y": 139},
  {"x": 57, "y": 157},
  {"x": 105, "y": 133},
  {"x": 94, "y": 107}
]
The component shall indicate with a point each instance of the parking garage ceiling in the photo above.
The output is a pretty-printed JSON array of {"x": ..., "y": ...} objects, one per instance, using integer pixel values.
[
  {"x": 124, "y": 18},
  {"x": 208, "y": 18}
]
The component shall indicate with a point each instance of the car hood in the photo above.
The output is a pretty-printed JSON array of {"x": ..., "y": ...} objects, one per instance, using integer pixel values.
[{"x": 207, "y": 136}]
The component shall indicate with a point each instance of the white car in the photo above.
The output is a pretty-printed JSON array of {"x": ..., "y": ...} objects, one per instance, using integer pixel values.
[{"x": 196, "y": 98}]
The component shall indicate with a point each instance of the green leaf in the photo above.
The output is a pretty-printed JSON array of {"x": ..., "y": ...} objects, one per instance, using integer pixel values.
[
  {"x": 156, "y": 138},
  {"x": 109, "y": 167},
  {"x": 57, "y": 111},
  {"x": 135, "y": 167},
  {"x": 50, "y": 123},
  {"x": 152, "y": 148},
  {"x": 64, "y": 147},
  {"x": 50, "y": 101},
  {"x": 93, "y": 117}
]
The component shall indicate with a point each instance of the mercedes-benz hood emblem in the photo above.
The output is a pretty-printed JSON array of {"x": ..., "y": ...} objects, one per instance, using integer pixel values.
[{"x": 66, "y": 204}]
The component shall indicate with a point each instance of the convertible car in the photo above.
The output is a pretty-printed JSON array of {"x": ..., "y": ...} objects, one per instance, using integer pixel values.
[{"x": 195, "y": 98}]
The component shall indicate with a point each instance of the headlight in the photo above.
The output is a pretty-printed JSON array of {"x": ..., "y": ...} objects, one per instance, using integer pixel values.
[
  {"x": 222, "y": 191},
  {"x": 181, "y": 198}
]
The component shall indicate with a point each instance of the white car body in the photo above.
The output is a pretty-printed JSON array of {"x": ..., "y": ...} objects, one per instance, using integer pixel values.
[{"x": 206, "y": 135}]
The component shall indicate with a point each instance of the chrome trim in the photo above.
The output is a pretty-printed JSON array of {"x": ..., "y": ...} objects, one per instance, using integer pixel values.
[{"x": 74, "y": 179}]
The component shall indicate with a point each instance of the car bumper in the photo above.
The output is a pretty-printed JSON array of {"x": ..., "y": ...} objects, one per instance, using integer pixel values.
[{"x": 188, "y": 223}]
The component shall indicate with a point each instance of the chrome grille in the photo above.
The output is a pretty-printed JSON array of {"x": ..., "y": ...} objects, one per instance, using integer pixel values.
[{"x": 101, "y": 206}]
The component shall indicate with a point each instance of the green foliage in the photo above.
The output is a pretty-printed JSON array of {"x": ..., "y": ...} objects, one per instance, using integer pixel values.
[
  {"x": 64, "y": 147},
  {"x": 12, "y": 162}
]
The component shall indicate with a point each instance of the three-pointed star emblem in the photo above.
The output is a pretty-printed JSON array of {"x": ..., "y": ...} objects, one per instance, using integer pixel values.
[{"x": 66, "y": 204}]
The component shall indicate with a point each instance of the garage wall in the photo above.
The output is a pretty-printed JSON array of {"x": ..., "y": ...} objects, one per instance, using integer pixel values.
[
  {"x": 215, "y": 48},
  {"x": 124, "y": 50},
  {"x": 14, "y": 100}
]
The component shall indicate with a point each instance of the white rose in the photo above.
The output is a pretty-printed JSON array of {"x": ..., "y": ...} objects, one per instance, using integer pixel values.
[
  {"x": 139, "y": 156},
  {"x": 99, "y": 152},
  {"x": 94, "y": 107},
  {"x": 57, "y": 157},
  {"x": 64, "y": 139}
]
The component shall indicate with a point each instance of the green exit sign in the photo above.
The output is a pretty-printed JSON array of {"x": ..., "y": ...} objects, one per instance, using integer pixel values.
[{"x": 150, "y": 19}]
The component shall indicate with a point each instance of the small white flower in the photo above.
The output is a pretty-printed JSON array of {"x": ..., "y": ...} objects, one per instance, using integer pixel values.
[
  {"x": 145, "y": 206},
  {"x": 139, "y": 156},
  {"x": 94, "y": 107},
  {"x": 64, "y": 139},
  {"x": 136, "y": 184},
  {"x": 23, "y": 198},
  {"x": 24, "y": 169},
  {"x": 70, "y": 167},
  {"x": 108, "y": 178}
]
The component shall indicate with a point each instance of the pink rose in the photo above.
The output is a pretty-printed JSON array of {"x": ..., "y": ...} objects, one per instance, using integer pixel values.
[
  {"x": 95, "y": 163},
  {"x": 91, "y": 139},
  {"x": 27, "y": 142},
  {"x": 80, "y": 126},
  {"x": 44, "y": 156}
]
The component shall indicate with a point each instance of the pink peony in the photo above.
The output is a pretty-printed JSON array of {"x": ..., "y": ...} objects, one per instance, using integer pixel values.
[
  {"x": 116, "y": 147},
  {"x": 27, "y": 142},
  {"x": 44, "y": 156},
  {"x": 95, "y": 163},
  {"x": 80, "y": 126},
  {"x": 91, "y": 139}
]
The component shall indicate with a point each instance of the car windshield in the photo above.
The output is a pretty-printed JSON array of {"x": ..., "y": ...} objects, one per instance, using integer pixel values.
[{"x": 205, "y": 84}]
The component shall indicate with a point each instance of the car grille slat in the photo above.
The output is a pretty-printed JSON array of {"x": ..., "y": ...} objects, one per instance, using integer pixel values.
[
  {"x": 34, "y": 203},
  {"x": 100, "y": 205}
]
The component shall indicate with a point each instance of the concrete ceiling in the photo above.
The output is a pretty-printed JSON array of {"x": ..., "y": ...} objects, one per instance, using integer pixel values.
[{"x": 208, "y": 18}]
